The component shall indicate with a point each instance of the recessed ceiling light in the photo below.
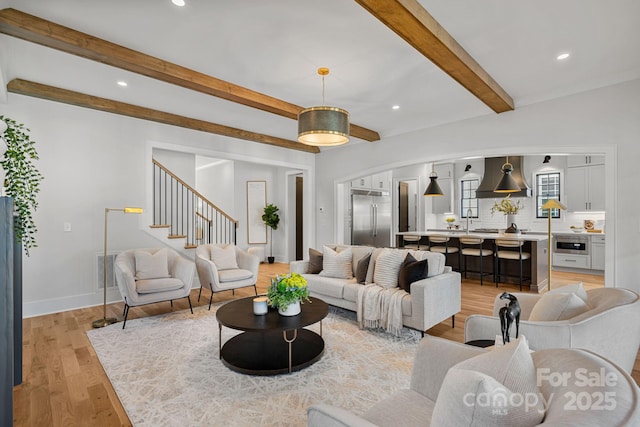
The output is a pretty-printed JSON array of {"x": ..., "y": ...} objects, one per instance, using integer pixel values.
[
  {"x": 122, "y": 83},
  {"x": 396, "y": 107},
  {"x": 178, "y": 2},
  {"x": 562, "y": 56}
]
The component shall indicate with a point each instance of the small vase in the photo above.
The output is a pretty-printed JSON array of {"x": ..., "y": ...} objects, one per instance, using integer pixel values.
[
  {"x": 511, "y": 219},
  {"x": 292, "y": 309}
]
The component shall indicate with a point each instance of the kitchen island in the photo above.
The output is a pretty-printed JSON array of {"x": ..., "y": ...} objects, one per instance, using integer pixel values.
[{"x": 536, "y": 243}]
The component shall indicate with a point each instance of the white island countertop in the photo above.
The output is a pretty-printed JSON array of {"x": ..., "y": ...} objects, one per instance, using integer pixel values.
[{"x": 526, "y": 236}]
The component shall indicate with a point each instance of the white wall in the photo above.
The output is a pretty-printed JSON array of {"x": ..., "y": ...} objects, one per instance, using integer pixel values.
[
  {"x": 214, "y": 181},
  {"x": 602, "y": 120},
  {"x": 92, "y": 160}
]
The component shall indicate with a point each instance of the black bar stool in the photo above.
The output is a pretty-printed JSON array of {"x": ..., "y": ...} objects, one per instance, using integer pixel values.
[
  {"x": 472, "y": 246},
  {"x": 411, "y": 241},
  {"x": 440, "y": 244},
  {"x": 510, "y": 254}
]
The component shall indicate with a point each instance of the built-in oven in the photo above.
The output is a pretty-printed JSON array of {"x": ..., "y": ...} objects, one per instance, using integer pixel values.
[{"x": 572, "y": 244}]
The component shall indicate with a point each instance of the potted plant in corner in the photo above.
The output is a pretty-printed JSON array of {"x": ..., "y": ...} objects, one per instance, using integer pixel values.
[
  {"x": 287, "y": 292},
  {"x": 22, "y": 179},
  {"x": 271, "y": 219}
]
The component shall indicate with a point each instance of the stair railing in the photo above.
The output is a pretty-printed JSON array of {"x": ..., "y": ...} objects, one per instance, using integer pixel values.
[{"x": 186, "y": 213}]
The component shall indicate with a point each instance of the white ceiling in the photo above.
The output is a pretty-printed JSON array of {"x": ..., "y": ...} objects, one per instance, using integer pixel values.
[{"x": 276, "y": 46}]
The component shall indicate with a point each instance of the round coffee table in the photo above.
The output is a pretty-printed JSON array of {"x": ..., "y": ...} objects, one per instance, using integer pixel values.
[{"x": 270, "y": 343}]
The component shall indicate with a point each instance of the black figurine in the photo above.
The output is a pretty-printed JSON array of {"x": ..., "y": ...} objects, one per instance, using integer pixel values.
[{"x": 508, "y": 314}]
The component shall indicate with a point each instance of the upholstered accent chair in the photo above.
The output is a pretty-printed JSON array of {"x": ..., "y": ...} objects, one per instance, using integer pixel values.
[
  {"x": 147, "y": 276},
  {"x": 604, "y": 320},
  {"x": 224, "y": 267},
  {"x": 454, "y": 384}
]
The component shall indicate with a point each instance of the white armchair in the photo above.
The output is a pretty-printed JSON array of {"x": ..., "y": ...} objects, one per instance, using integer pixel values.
[
  {"x": 610, "y": 327},
  {"x": 225, "y": 267},
  {"x": 146, "y": 276}
]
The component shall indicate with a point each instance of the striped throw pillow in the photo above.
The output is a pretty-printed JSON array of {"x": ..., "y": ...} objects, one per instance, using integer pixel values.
[
  {"x": 337, "y": 264},
  {"x": 387, "y": 268}
]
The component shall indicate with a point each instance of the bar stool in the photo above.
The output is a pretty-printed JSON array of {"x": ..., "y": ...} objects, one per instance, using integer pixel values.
[
  {"x": 440, "y": 244},
  {"x": 472, "y": 246},
  {"x": 413, "y": 240},
  {"x": 510, "y": 254}
]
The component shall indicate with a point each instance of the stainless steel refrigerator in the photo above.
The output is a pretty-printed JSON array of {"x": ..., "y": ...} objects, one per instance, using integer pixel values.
[{"x": 370, "y": 218}]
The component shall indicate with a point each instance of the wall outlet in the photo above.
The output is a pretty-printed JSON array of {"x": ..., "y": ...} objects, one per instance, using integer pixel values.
[{"x": 67, "y": 227}]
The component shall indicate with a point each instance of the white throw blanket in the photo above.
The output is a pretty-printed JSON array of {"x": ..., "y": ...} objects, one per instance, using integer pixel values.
[{"x": 379, "y": 307}]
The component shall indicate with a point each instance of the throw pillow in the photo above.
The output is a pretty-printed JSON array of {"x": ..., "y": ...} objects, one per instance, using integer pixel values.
[
  {"x": 515, "y": 387},
  {"x": 411, "y": 271},
  {"x": 361, "y": 269},
  {"x": 575, "y": 288},
  {"x": 387, "y": 268},
  {"x": 336, "y": 264},
  {"x": 224, "y": 257},
  {"x": 315, "y": 261},
  {"x": 151, "y": 266},
  {"x": 470, "y": 398},
  {"x": 557, "y": 306}
]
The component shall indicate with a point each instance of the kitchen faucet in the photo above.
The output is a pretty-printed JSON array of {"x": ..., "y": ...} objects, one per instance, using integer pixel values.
[{"x": 468, "y": 215}]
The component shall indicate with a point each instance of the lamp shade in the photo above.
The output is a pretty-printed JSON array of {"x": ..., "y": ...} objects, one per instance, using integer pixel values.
[
  {"x": 433, "y": 189},
  {"x": 507, "y": 184},
  {"x": 323, "y": 126},
  {"x": 554, "y": 204}
]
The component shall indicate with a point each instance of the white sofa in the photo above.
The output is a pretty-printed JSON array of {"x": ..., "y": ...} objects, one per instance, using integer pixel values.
[
  {"x": 431, "y": 301},
  {"x": 609, "y": 327},
  {"x": 575, "y": 402}
]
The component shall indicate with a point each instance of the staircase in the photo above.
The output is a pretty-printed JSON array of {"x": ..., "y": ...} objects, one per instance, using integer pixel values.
[{"x": 187, "y": 214}]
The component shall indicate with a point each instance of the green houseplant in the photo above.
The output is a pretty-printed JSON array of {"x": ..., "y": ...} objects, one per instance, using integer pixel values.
[
  {"x": 287, "y": 292},
  {"x": 271, "y": 219},
  {"x": 22, "y": 178}
]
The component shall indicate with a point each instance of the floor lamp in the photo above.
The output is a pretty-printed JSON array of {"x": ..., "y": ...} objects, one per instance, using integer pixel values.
[
  {"x": 551, "y": 204},
  {"x": 108, "y": 321}
]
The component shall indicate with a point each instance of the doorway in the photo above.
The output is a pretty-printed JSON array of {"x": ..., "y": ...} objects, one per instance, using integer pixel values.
[
  {"x": 407, "y": 205},
  {"x": 299, "y": 218}
]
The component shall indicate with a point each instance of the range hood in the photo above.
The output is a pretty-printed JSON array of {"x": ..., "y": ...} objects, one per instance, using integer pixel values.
[{"x": 493, "y": 174}]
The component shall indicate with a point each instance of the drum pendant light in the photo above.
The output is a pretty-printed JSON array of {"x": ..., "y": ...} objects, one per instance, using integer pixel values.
[
  {"x": 433, "y": 189},
  {"x": 323, "y": 126},
  {"x": 507, "y": 184}
]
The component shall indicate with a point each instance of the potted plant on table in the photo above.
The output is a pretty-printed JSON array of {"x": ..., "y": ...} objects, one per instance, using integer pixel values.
[
  {"x": 287, "y": 292},
  {"x": 271, "y": 219}
]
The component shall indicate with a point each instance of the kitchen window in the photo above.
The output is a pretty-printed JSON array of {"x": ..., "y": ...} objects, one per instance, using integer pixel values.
[
  {"x": 547, "y": 187},
  {"x": 468, "y": 198}
]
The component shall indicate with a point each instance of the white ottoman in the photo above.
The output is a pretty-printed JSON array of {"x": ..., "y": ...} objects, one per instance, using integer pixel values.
[{"x": 257, "y": 251}]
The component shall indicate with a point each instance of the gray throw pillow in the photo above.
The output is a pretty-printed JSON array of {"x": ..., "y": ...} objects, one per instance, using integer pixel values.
[
  {"x": 315, "y": 261},
  {"x": 362, "y": 268}
]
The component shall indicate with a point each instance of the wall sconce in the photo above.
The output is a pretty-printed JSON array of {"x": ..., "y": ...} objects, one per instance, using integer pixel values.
[
  {"x": 546, "y": 159},
  {"x": 467, "y": 168}
]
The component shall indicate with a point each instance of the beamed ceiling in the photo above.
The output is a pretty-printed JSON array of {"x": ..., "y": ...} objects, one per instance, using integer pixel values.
[{"x": 245, "y": 69}]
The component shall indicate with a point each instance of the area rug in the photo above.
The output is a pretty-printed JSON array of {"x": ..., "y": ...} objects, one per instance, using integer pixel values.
[{"x": 166, "y": 372}]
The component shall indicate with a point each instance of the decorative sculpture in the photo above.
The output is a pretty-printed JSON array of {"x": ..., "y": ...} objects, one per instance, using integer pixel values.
[{"x": 508, "y": 314}]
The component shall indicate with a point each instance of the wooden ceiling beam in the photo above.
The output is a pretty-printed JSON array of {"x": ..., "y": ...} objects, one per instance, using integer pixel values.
[
  {"x": 33, "y": 29},
  {"x": 50, "y": 93},
  {"x": 409, "y": 20}
]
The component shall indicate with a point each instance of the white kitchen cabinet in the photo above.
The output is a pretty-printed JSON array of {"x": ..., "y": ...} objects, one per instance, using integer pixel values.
[
  {"x": 571, "y": 260},
  {"x": 444, "y": 204},
  {"x": 584, "y": 187},
  {"x": 597, "y": 252},
  {"x": 379, "y": 181},
  {"x": 576, "y": 161}
]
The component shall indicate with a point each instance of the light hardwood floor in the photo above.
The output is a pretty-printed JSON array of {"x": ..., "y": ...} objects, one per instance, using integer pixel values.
[{"x": 65, "y": 385}]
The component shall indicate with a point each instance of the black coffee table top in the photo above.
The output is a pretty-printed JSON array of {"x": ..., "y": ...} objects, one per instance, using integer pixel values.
[{"x": 238, "y": 314}]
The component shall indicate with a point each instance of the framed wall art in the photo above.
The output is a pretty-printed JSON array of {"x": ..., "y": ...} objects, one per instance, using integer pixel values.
[{"x": 256, "y": 201}]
